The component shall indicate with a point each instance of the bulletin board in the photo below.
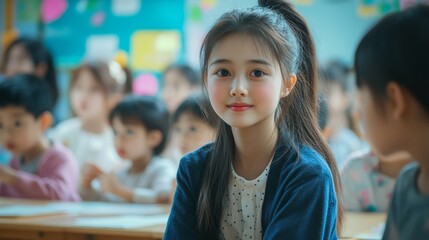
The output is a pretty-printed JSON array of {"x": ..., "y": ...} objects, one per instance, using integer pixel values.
[{"x": 85, "y": 29}]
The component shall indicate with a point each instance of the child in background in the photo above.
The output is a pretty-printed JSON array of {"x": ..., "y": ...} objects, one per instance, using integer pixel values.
[
  {"x": 333, "y": 84},
  {"x": 141, "y": 127},
  {"x": 368, "y": 179},
  {"x": 40, "y": 169},
  {"x": 269, "y": 174},
  {"x": 392, "y": 76},
  {"x": 191, "y": 125},
  {"x": 180, "y": 81},
  {"x": 26, "y": 55},
  {"x": 95, "y": 88}
]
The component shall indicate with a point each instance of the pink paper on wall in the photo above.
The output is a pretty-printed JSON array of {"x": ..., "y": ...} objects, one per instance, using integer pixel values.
[
  {"x": 97, "y": 19},
  {"x": 145, "y": 84},
  {"x": 53, "y": 9}
]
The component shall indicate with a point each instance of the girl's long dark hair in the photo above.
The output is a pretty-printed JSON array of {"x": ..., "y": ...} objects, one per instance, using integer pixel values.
[
  {"x": 280, "y": 30},
  {"x": 38, "y": 54}
]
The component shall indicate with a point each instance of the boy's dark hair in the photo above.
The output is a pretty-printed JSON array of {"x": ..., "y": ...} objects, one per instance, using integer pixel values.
[
  {"x": 196, "y": 105},
  {"x": 336, "y": 72},
  {"x": 146, "y": 110},
  {"x": 396, "y": 50},
  {"x": 190, "y": 74},
  {"x": 38, "y": 54},
  {"x": 27, "y": 91}
]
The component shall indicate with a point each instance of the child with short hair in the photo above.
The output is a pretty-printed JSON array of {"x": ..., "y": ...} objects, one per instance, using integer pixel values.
[
  {"x": 40, "y": 169},
  {"x": 392, "y": 75},
  {"x": 140, "y": 125},
  {"x": 191, "y": 125}
]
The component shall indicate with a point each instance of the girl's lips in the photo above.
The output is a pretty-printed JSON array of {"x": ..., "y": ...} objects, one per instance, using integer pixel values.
[
  {"x": 121, "y": 152},
  {"x": 239, "y": 107},
  {"x": 10, "y": 146}
]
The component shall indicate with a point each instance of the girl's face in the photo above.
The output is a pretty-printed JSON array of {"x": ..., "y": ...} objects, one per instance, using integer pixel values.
[
  {"x": 244, "y": 84},
  {"x": 19, "y": 62},
  {"x": 378, "y": 126},
  {"x": 192, "y": 132},
  {"x": 87, "y": 97},
  {"x": 176, "y": 89},
  {"x": 132, "y": 141}
]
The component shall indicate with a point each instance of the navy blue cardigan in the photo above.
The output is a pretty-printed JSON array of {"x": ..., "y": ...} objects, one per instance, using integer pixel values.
[{"x": 300, "y": 201}]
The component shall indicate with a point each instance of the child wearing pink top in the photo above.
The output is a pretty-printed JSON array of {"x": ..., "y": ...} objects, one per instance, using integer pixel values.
[{"x": 39, "y": 169}]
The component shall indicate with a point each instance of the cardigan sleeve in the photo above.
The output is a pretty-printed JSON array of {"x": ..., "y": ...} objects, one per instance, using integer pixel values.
[
  {"x": 182, "y": 223},
  {"x": 306, "y": 206}
]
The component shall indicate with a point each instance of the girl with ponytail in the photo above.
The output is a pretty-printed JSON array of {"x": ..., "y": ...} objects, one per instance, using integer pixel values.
[{"x": 269, "y": 174}]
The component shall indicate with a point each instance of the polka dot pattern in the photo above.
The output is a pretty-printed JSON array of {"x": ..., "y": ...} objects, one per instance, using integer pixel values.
[{"x": 241, "y": 218}]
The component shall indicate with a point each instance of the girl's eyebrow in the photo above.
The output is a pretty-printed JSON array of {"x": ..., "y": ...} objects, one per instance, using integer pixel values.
[{"x": 257, "y": 61}]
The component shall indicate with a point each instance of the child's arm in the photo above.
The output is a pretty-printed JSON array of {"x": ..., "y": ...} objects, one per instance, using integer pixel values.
[
  {"x": 56, "y": 180},
  {"x": 307, "y": 208}
]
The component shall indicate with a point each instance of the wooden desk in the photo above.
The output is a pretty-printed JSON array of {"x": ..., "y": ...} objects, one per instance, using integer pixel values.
[{"x": 63, "y": 227}]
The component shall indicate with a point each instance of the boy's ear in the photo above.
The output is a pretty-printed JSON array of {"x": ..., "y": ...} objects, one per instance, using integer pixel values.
[
  {"x": 45, "y": 121},
  {"x": 155, "y": 138},
  {"x": 288, "y": 84},
  {"x": 396, "y": 99},
  {"x": 41, "y": 70}
]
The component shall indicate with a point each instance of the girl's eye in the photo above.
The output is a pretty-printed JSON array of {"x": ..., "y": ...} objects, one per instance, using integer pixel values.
[
  {"x": 130, "y": 132},
  {"x": 193, "y": 129},
  {"x": 18, "y": 124},
  {"x": 1, "y": 125},
  {"x": 257, "y": 73},
  {"x": 115, "y": 133},
  {"x": 223, "y": 73}
]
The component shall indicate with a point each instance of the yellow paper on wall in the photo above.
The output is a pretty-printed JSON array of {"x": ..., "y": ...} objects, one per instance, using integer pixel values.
[{"x": 154, "y": 50}]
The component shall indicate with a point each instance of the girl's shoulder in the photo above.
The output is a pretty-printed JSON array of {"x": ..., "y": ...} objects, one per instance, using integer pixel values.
[
  {"x": 67, "y": 126},
  {"x": 304, "y": 162}
]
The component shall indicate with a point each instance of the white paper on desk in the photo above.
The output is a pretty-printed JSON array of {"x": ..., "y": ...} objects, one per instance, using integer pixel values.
[
  {"x": 375, "y": 234},
  {"x": 104, "y": 208},
  {"x": 28, "y": 210},
  {"x": 129, "y": 221}
]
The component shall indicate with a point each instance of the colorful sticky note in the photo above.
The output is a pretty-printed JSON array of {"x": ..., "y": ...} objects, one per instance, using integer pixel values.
[
  {"x": 102, "y": 47},
  {"x": 98, "y": 19},
  {"x": 145, "y": 84},
  {"x": 195, "y": 13},
  {"x": 125, "y": 8},
  {"x": 154, "y": 50},
  {"x": 208, "y": 5},
  {"x": 51, "y": 10}
]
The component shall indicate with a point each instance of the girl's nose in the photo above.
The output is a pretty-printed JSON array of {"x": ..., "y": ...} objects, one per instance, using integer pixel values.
[{"x": 239, "y": 87}]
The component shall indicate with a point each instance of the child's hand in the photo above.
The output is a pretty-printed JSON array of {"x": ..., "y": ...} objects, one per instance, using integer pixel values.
[
  {"x": 109, "y": 183},
  {"x": 167, "y": 198},
  {"x": 89, "y": 173},
  {"x": 7, "y": 174}
]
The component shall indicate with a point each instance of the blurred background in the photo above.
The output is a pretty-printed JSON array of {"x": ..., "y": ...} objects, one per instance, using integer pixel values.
[{"x": 147, "y": 36}]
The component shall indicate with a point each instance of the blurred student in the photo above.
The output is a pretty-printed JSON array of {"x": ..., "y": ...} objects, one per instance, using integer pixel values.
[
  {"x": 96, "y": 87},
  {"x": 392, "y": 77},
  {"x": 141, "y": 129},
  {"x": 191, "y": 125},
  {"x": 40, "y": 168}
]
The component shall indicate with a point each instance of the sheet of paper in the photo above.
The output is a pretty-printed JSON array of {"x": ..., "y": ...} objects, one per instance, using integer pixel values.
[
  {"x": 129, "y": 221},
  {"x": 28, "y": 210}
]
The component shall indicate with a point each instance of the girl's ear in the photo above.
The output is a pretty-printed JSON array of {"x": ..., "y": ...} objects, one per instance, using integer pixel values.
[
  {"x": 155, "y": 138},
  {"x": 41, "y": 70},
  {"x": 396, "y": 96},
  {"x": 45, "y": 121},
  {"x": 288, "y": 84}
]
